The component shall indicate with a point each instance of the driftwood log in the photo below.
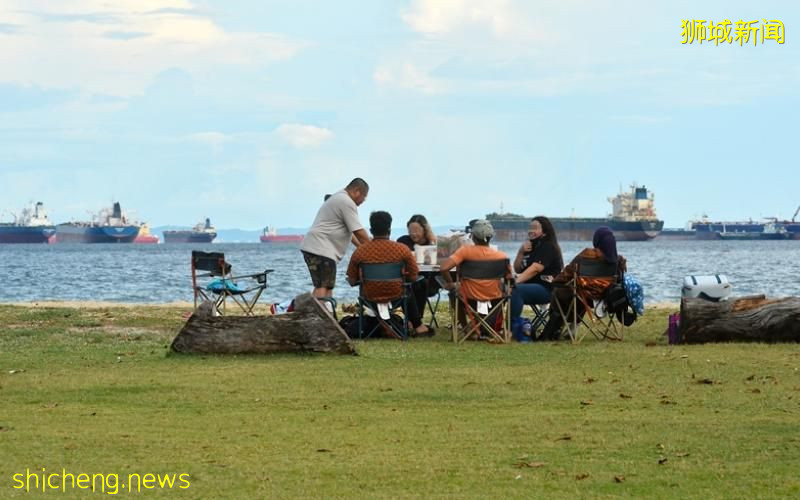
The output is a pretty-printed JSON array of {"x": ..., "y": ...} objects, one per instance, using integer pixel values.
[
  {"x": 748, "y": 319},
  {"x": 310, "y": 328}
]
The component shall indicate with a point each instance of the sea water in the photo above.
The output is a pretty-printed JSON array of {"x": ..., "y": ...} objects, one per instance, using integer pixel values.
[{"x": 162, "y": 273}]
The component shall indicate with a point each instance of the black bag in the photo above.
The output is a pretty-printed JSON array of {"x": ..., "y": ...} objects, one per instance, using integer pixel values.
[
  {"x": 349, "y": 324},
  {"x": 616, "y": 300}
]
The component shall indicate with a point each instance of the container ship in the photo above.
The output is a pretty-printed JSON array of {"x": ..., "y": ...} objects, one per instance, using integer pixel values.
[
  {"x": 203, "y": 232},
  {"x": 110, "y": 225},
  {"x": 271, "y": 235},
  {"x": 633, "y": 218},
  {"x": 31, "y": 226},
  {"x": 145, "y": 237}
]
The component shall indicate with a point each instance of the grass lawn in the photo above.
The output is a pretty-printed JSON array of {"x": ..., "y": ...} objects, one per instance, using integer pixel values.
[{"x": 95, "y": 391}]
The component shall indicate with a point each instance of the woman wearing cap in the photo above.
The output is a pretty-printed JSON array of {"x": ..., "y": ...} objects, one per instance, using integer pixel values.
[
  {"x": 604, "y": 249},
  {"x": 537, "y": 262},
  {"x": 420, "y": 233}
]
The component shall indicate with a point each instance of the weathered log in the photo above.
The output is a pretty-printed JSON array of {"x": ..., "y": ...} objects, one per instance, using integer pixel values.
[
  {"x": 310, "y": 328},
  {"x": 748, "y": 319}
]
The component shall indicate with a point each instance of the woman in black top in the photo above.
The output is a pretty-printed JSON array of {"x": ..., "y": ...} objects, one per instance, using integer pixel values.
[
  {"x": 537, "y": 262},
  {"x": 420, "y": 233}
]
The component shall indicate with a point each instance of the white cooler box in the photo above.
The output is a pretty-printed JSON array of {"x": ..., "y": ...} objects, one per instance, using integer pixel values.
[{"x": 712, "y": 288}]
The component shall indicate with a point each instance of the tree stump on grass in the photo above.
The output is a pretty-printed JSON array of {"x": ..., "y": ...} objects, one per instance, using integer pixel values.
[
  {"x": 310, "y": 328},
  {"x": 748, "y": 319}
]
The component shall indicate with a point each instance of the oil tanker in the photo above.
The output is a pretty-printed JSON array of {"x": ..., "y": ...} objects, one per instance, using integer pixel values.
[
  {"x": 202, "y": 232},
  {"x": 633, "y": 218},
  {"x": 110, "y": 225},
  {"x": 270, "y": 235},
  {"x": 31, "y": 226}
]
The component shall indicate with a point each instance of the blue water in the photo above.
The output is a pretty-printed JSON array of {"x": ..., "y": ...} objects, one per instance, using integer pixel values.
[{"x": 161, "y": 273}]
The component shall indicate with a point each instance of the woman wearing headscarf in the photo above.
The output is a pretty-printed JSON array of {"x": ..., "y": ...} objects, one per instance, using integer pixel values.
[{"x": 604, "y": 249}]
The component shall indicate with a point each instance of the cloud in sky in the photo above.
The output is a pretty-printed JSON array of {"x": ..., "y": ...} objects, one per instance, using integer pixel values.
[
  {"x": 117, "y": 47},
  {"x": 304, "y": 136}
]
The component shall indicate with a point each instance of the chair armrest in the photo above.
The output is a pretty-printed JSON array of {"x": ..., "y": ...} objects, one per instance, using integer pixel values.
[{"x": 254, "y": 275}]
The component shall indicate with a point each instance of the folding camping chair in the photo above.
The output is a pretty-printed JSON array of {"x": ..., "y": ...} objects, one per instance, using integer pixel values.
[
  {"x": 218, "y": 284},
  {"x": 371, "y": 274},
  {"x": 482, "y": 317},
  {"x": 586, "y": 294},
  {"x": 541, "y": 313}
]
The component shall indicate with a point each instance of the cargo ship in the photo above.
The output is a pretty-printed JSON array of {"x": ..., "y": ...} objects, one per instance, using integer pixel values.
[
  {"x": 31, "y": 226},
  {"x": 202, "y": 232},
  {"x": 145, "y": 237},
  {"x": 110, "y": 225},
  {"x": 771, "y": 231},
  {"x": 633, "y": 218},
  {"x": 770, "y": 228},
  {"x": 271, "y": 235}
]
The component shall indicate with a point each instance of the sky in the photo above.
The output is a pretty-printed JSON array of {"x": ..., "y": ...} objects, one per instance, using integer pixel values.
[{"x": 249, "y": 111}]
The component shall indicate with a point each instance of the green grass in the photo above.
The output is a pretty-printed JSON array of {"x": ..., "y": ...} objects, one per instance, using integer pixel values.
[{"x": 96, "y": 391}]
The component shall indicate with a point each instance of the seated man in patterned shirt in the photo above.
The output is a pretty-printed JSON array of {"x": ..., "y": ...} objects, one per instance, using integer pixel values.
[{"x": 382, "y": 250}]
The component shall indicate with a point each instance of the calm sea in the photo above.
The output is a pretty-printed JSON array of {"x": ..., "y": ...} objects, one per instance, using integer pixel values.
[{"x": 161, "y": 273}]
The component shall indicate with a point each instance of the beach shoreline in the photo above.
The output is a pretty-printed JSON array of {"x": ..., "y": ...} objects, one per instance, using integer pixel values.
[{"x": 100, "y": 304}]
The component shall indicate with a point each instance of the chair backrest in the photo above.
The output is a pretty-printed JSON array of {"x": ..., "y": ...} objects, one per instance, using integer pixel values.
[
  {"x": 483, "y": 269},
  {"x": 213, "y": 262},
  {"x": 389, "y": 271},
  {"x": 589, "y": 268}
]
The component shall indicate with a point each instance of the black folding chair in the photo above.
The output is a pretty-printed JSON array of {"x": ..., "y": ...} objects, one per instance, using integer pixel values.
[
  {"x": 391, "y": 272},
  {"x": 480, "y": 318},
  {"x": 541, "y": 313},
  {"x": 217, "y": 284},
  {"x": 586, "y": 296}
]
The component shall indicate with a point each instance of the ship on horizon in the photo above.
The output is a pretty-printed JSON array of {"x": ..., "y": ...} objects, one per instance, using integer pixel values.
[
  {"x": 769, "y": 228},
  {"x": 31, "y": 226},
  {"x": 202, "y": 232},
  {"x": 270, "y": 235},
  {"x": 110, "y": 225},
  {"x": 633, "y": 218},
  {"x": 145, "y": 237}
]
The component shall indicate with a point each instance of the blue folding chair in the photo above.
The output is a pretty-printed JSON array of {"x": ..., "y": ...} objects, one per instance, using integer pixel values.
[{"x": 217, "y": 285}]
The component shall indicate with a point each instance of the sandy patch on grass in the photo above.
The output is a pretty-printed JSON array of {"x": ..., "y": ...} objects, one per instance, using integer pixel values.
[{"x": 95, "y": 304}]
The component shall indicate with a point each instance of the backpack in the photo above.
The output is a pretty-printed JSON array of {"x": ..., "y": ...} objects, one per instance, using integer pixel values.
[
  {"x": 617, "y": 301},
  {"x": 634, "y": 292}
]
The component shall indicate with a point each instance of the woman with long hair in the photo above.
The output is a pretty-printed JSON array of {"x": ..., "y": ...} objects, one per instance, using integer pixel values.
[
  {"x": 420, "y": 233},
  {"x": 537, "y": 262}
]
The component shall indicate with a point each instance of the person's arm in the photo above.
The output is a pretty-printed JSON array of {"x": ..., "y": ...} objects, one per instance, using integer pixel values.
[
  {"x": 412, "y": 269},
  {"x": 529, "y": 272},
  {"x": 359, "y": 237},
  {"x": 352, "y": 270},
  {"x": 444, "y": 268},
  {"x": 525, "y": 247}
]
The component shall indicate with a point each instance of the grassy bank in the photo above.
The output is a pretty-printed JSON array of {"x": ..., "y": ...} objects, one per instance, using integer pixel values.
[{"x": 95, "y": 391}]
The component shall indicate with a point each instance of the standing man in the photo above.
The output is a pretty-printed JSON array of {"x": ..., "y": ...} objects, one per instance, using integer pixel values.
[{"x": 335, "y": 225}]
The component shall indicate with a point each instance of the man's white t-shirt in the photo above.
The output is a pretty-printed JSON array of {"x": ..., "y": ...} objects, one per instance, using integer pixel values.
[{"x": 336, "y": 221}]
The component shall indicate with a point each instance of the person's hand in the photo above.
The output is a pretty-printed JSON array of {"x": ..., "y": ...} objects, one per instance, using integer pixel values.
[{"x": 527, "y": 247}]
